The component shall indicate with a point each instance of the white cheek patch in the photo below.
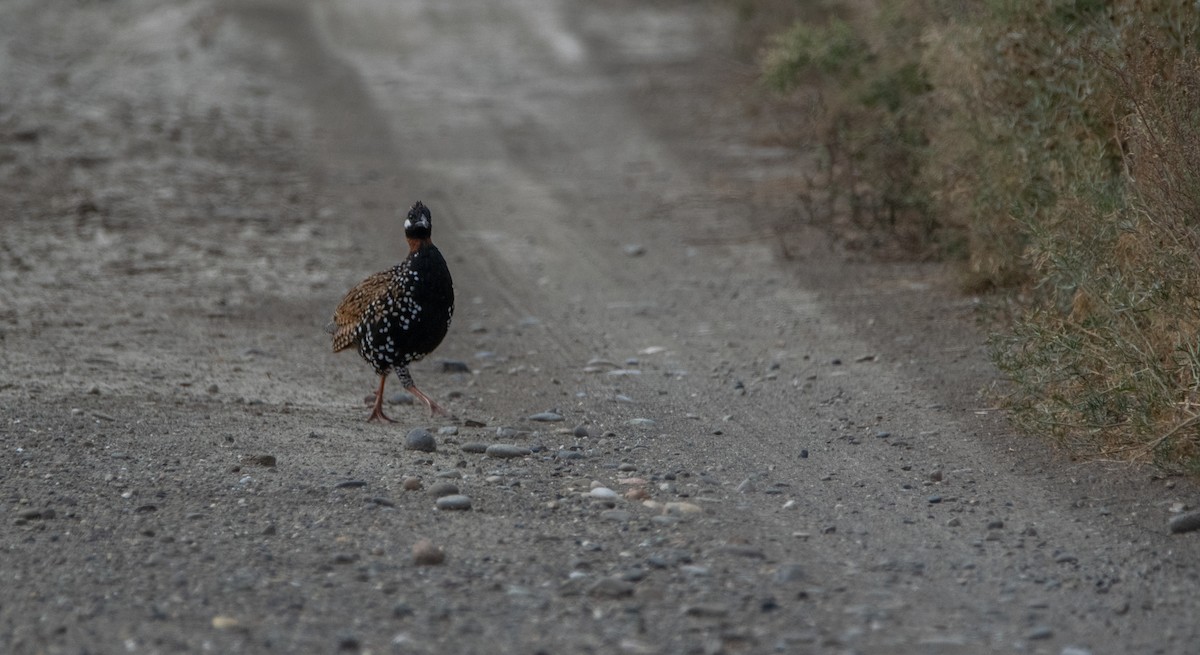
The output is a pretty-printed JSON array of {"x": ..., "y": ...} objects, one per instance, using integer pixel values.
[{"x": 408, "y": 224}]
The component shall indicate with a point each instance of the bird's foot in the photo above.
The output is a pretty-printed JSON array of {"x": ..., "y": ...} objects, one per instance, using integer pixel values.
[
  {"x": 378, "y": 416},
  {"x": 434, "y": 408}
]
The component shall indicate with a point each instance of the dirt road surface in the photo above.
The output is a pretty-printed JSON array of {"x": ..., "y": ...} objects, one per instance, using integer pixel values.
[{"x": 796, "y": 452}]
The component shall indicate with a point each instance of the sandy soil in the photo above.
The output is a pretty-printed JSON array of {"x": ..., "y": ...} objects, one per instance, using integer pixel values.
[{"x": 187, "y": 187}]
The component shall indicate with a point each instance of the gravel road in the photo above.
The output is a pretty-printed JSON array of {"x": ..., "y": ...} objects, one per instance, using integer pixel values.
[{"x": 685, "y": 424}]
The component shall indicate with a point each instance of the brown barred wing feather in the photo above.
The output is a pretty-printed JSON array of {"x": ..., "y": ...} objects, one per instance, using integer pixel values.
[{"x": 352, "y": 311}]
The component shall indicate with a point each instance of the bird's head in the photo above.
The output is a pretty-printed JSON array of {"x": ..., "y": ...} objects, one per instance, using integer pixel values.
[{"x": 419, "y": 224}]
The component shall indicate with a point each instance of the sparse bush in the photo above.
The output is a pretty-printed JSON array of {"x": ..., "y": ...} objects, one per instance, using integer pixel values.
[
  {"x": 865, "y": 105},
  {"x": 1055, "y": 147}
]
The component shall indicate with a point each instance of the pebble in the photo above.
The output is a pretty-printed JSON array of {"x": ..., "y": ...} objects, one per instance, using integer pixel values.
[
  {"x": 603, "y": 493},
  {"x": 633, "y": 249},
  {"x": 680, "y": 508},
  {"x": 546, "y": 417},
  {"x": 611, "y": 588},
  {"x": 454, "y": 502},
  {"x": 455, "y": 366},
  {"x": 440, "y": 489},
  {"x": 411, "y": 483},
  {"x": 746, "y": 486},
  {"x": 1065, "y": 558},
  {"x": 935, "y": 499},
  {"x": 260, "y": 460},
  {"x": 420, "y": 439},
  {"x": 474, "y": 447},
  {"x": 1039, "y": 632},
  {"x": 506, "y": 451},
  {"x": 706, "y": 611},
  {"x": 448, "y": 430},
  {"x": 627, "y": 467},
  {"x": 618, "y": 515},
  {"x": 427, "y": 554},
  {"x": 637, "y": 493},
  {"x": 580, "y": 431},
  {"x": 1185, "y": 522},
  {"x": 504, "y": 432},
  {"x": 400, "y": 398},
  {"x": 641, "y": 422},
  {"x": 350, "y": 484}
]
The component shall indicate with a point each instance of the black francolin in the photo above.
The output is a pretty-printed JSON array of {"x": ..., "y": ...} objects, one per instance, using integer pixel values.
[{"x": 400, "y": 315}]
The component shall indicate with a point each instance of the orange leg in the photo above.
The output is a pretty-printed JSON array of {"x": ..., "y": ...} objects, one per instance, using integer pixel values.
[
  {"x": 434, "y": 408},
  {"x": 409, "y": 386},
  {"x": 377, "y": 414}
]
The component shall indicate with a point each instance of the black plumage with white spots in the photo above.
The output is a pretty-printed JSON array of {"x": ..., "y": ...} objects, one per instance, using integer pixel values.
[{"x": 400, "y": 315}]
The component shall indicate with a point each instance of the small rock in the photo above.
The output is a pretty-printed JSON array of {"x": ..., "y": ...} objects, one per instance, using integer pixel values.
[
  {"x": 934, "y": 499},
  {"x": 746, "y": 486},
  {"x": 448, "y": 430},
  {"x": 440, "y": 489},
  {"x": 936, "y": 476},
  {"x": 506, "y": 451},
  {"x": 706, "y": 611},
  {"x": 1039, "y": 632},
  {"x": 580, "y": 431},
  {"x": 350, "y": 484},
  {"x": 225, "y": 622},
  {"x": 426, "y": 554},
  {"x": 421, "y": 440},
  {"x": 611, "y": 588},
  {"x": 633, "y": 249},
  {"x": 995, "y": 524},
  {"x": 212, "y": 388},
  {"x": 618, "y": 515},
  {"x": 1065, "y": 558},
  {"x": 603, "y": 493},
  {"x": 627, "y": 467},
  {"x": 787, "y": 573},
  {"x": 455, "y": 366},
  {"x": 411, "y": 483},
  {"x": 679, "y": 508},
  {"x": 546, "y": 417},
  {"x": 400, "y": 398},
  {"x": 637, "y": 493},
  {"x": 641, "y": 422},
  {"x": 1185, "y": 522},
  {"x": 260, "y": 460},
  {"x": 454, "y": 502},
  {"x": 474, "y": 447},
  {"x": 504, "y": 432}
]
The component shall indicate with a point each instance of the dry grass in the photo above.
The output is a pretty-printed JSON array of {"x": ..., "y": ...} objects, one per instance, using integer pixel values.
[{"x": 1054, "y": 148}]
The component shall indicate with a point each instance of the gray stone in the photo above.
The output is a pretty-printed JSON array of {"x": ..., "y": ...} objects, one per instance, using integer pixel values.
[
  {"x": 454, "y": 502},
  {"x": 507, "y": 451},
  {"x": 420, "y": 439},
  {"x": 474, "y": 447},
  {"x": 611, "y": 588},
  {"x": 1185, "y": 522},
  {"x": 440, "y": 489},
  {"x": 546, "y": 417}
]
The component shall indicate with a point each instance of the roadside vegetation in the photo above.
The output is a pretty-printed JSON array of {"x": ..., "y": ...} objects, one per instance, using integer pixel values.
[{"x": 1053, "y": 148}]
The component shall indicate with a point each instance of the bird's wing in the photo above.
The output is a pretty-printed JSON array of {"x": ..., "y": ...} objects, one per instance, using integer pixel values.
[{"x": 353, "y": 308}]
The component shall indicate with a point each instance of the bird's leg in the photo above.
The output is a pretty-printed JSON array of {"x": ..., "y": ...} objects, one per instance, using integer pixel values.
[
  {"x": 407, "y": 381},
  {"x": 377, "y": 414}
]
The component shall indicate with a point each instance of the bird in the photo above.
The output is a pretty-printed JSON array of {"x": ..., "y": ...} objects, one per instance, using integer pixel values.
[{"x": 398, "y": 316}]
